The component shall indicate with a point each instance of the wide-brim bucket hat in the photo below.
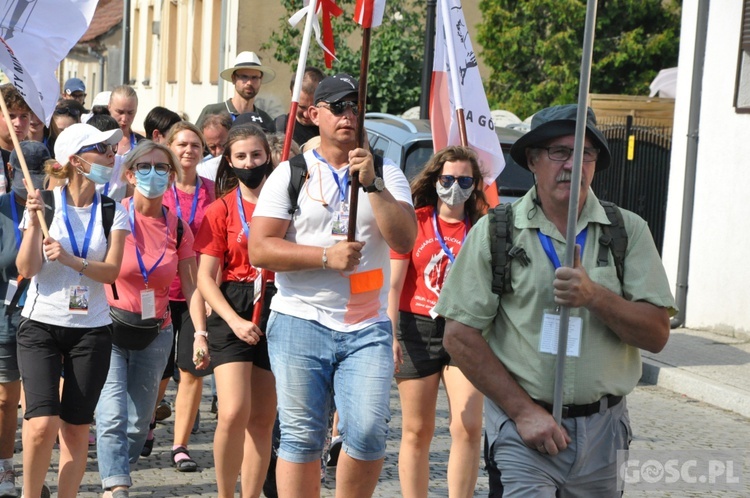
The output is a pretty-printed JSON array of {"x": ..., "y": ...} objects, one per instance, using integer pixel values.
[{"x": 558, "y": 121}]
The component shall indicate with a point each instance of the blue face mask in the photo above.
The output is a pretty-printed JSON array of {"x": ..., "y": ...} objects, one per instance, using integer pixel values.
[
  {"x": 152, "y": 184},
  {"x": 98, "y": 174}
]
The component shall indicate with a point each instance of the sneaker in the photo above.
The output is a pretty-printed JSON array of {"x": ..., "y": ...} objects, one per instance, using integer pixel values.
[
  {"x": 45, "y": 492},
  {"x": 163, "y": 411},
  {"x": 333, "y": 452},
  {"x": 8, "y": 483},
  {"x": 121, "y": 493}
]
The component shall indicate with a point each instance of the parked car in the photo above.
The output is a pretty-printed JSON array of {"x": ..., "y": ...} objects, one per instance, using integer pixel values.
[{"x": 408, "y": 143}]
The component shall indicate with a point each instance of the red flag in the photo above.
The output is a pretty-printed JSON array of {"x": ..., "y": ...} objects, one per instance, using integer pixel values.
[
  {"x": 328, "y": 9},
  {"x": 468, "y": 94},
  {"x": 369, "y": 13}
]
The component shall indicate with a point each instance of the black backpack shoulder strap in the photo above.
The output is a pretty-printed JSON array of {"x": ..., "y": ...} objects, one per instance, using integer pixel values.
[
  {"x": 500, "y": 224},
  {"x": 298, "y": 175},
  {"x": 615, "y": 238},
  {"x": 378, "y": 164},
  {"x": 48, "y": 197},
  {"x": 180, "y": 231},
  {"x": 108, "y": 215}
]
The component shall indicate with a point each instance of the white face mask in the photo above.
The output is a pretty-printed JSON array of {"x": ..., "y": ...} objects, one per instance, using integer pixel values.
[{"x": 454, "y": 195}]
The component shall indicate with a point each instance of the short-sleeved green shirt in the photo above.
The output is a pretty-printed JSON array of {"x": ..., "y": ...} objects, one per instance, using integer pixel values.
[{"x": 512, "y": 326}]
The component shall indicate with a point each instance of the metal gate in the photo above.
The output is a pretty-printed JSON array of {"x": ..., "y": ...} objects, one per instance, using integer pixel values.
[{"x": 638, "y": 177}]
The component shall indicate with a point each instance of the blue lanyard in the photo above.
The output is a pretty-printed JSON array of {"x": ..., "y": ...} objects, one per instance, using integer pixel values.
[
  {"x": 342, "y": 190},
  {"x": 145, "y": 273},
  {"x": 195, "y": 201},
  {"x": 106, "y": 188},
  {"x": 241, "y": 209},
  {"x": 14, "y": 213},
  {"x": 132, "y": 141},
  {"x": 550, "y": 249},
  {"x": 446, "y": 249},
  {"x": 89, "y": 229}
]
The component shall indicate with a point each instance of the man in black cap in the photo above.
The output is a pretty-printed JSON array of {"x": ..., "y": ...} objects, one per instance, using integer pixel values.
[
  {"x": 12, "y": 206},
  {"x": 507, "y": 347},
  {"x": 329, "y": 337}
]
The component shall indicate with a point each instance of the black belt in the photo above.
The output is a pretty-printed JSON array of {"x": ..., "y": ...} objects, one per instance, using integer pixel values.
[{"x": 572, "y": 411}]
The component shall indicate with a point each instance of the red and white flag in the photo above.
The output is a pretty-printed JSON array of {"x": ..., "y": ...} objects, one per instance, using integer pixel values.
[
  {"x": 456, "y": 84},
  {"x": 369, "y": 13},
  {"x": 35, "y": 35}
]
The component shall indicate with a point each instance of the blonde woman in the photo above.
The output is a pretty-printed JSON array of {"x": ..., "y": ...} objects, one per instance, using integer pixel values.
[{"x": 67, "y": 312}]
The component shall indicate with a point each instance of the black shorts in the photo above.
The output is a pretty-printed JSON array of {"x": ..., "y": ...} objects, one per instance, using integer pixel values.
[
  {"x": 184, "y": 336},
  {"x": 421, "y": 340},
  {"x": 223, "y": 344},
  {"x": 44, "y": 350},
  {"x": 178, "y": 310}
]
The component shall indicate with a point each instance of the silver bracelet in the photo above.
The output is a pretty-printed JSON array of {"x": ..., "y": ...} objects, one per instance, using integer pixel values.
[
  {"x": 325, "y": 258},
  {"x": 200, "y": 333}
]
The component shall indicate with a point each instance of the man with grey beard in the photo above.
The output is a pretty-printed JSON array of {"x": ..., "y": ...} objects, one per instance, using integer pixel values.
[{"x": 508, "y": 347}]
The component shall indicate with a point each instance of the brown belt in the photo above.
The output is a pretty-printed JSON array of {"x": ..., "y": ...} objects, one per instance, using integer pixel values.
[{"x": 573, "y": 411}]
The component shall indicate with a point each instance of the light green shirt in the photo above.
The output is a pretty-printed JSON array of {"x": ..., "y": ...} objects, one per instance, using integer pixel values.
[{"x": 512, "y": 326}]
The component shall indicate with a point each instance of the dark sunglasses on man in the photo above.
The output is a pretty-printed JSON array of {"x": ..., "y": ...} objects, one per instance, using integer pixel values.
[
  {"x": 339, "y": 108},
  {"x": 463, "y": 181}
]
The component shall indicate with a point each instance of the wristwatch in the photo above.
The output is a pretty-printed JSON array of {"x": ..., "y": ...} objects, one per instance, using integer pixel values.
[
  {"x": 84, "y": 265},
  {"x": 377, "y": 186}
]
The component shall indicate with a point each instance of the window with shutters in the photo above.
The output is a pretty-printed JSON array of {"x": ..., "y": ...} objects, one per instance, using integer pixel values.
[{"x": 742, "y": 87}]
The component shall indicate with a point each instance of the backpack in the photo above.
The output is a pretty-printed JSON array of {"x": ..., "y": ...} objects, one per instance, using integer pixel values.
[
  {"x": 614, "y": 239},
  {"x": 298, "y": 175}
]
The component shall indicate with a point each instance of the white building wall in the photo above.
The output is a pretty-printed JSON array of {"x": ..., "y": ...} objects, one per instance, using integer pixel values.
[{"x": 719, "y": 268}]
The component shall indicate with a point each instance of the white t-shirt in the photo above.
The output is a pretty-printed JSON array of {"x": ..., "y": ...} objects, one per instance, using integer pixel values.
[
  {"x": 49, "y": 290},
  {"x": 321, "y": 295},
  {"x": 209, "y": 167}
]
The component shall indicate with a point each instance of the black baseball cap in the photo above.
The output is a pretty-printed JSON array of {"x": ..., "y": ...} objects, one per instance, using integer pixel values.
[{"x": 334, "y": 88}]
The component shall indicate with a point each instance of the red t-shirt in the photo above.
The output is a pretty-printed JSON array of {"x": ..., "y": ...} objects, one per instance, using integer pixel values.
[
  {"x": 205, "y": 192},
  {"x": 428, "y": 263},
  {"x": 221, "y": 235},
  {"x": 150, "y": 234}
]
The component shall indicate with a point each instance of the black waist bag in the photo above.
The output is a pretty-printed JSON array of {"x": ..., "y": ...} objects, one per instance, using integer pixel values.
[{"x": 130, "y": 331}]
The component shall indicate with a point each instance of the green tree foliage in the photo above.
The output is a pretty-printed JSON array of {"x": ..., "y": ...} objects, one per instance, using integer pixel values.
[
  {"x": 534, "y": 47},
  {"x": 396, "y": 51}
]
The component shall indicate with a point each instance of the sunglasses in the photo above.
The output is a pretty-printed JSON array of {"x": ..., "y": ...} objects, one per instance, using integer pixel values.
[
  {"x": 101, "y": 148},
  {"x": 68, "y": 111},
  {"x": 339, "y": 108},
  {"x": 463, "y": 181},
  {"x": 160, "y": 168}
]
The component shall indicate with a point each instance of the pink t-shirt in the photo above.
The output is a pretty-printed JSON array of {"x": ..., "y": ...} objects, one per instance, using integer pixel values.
[
  {"x": 151, "y": 235},
  {"x": 205, "y": 192}
]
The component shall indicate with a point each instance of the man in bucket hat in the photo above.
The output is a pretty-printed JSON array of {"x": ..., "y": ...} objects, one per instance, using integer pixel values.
[
  {"x": 508, "y": 347},
  {"x": 247, "y": 74}
]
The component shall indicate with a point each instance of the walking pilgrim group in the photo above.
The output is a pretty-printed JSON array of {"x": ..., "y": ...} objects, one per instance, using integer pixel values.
[{"x": 159, "y": 249}]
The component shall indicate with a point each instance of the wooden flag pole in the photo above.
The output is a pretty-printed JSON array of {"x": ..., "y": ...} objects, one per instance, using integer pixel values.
[{"x": 361, "y": 134}]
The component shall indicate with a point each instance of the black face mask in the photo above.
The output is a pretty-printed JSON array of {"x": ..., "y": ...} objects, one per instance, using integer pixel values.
[{"x": 253, "y": 177}]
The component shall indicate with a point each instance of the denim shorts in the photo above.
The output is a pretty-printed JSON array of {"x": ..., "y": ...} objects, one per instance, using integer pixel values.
[
  {"x": 8, "y": 358},
  {"x": 314, "y": 366}
]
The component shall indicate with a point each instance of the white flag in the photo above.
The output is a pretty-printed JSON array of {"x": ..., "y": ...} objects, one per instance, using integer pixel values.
[
  {"x": 35, "y": 35},
  {"x": 461, "y": 88}
]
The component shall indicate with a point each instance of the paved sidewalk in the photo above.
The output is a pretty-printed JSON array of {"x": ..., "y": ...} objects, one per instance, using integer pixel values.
[{"x": 706, "y": 366}]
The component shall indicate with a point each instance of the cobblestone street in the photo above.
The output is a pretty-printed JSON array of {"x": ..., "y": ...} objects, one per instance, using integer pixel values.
[{"x": 661, "y": 420}]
